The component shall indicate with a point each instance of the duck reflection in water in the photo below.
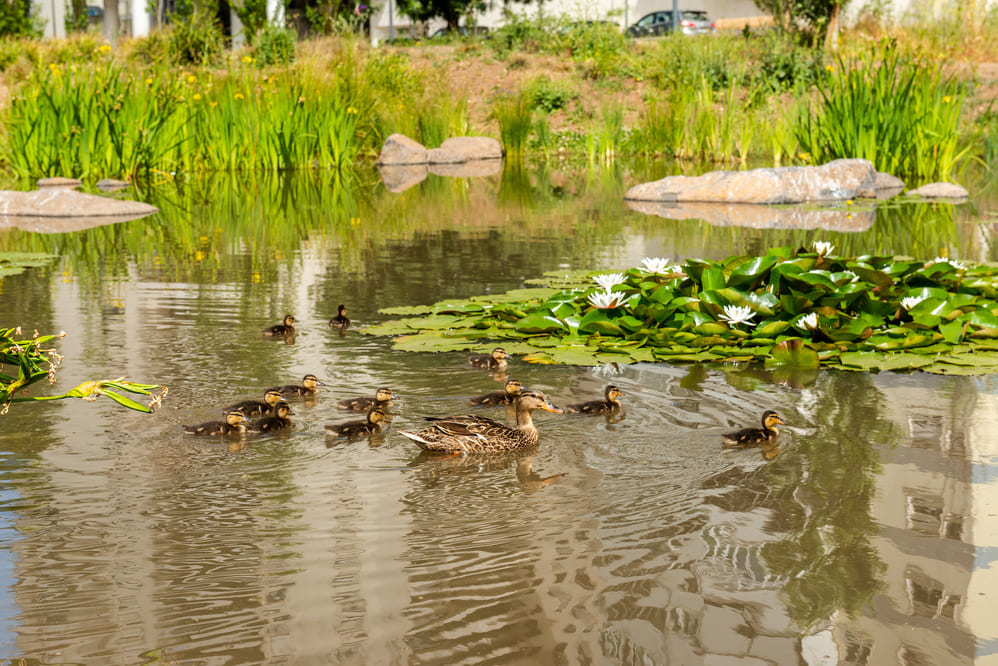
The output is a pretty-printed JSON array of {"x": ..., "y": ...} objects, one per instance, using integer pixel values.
[{"x": 435, "y": 468}]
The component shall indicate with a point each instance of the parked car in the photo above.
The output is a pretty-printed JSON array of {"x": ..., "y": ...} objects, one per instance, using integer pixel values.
[{"x": 691, "y": 22}]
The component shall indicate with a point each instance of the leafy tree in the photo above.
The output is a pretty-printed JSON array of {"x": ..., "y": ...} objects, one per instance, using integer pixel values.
[
  {"x": 449, "y": 10},
  {"x": 807, "y": 17},
  {"x": 16, "y": 19}
]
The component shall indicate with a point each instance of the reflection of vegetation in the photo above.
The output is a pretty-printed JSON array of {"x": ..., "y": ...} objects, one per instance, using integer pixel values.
[
  {"x": 822, "y": 499},
  {"x": 35, "y": 362},
  {"x": 813, "y": 307}
]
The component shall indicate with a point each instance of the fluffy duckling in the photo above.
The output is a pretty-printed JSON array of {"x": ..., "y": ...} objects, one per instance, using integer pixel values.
[
  {"x": 235, "y": 422},
  {"x": 610, "y": 404},
  {"x": 382, "y": 400},
  {"x": 374, "y": 422},
  {"x": 257, "y": 407},
  {"x": 279, "y": 421},
  {"x": 494, "y": 361},
  {"x": 755, "y": 436},
  {"x": 507, "y": 396},
  {"x": 340, "y": 320},
  {"x": 309, "y": 386},
  {"x": 469, "y": 433},
  {"x": 287, "y": 328}
]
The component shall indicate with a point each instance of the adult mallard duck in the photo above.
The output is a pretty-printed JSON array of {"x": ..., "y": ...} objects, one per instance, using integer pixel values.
[
  {"x": 279, "y": 421},
  {"x": 235, "y": 422},
  {"x": 755, "y": 436},
  {"x": 340, "y": 320},
  {"x": 309, "y": 386},
  {"x": 287, "y": 328},
  {"x": 374, "y": 422},
  {"x": 257, "y": 407},
  {"x": 382, "y": 400},
  {"x": 494, "y": 361},
  {"x": 469, "y": 433},
  {"x": 610, "y": 404},
  {"x": 505, "y": 397}
]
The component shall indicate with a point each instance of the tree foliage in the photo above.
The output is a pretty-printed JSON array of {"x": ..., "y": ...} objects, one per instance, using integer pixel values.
[
  {"x": 815, "y": 19},
  {"x": 449, "y": 10},
  {"x": 16, "y": 19}
]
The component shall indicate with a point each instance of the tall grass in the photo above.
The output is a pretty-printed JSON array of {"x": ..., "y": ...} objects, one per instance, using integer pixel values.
[
  {"x": 515, "y": 116},
  {"x": 891, "y": 108}
]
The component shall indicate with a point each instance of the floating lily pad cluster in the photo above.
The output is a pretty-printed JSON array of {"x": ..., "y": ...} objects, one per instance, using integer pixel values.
[{"x": 797, "y": 307}]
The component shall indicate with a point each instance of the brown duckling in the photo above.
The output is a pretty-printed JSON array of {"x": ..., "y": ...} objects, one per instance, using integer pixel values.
[
  {"x": 507, "y": 396},
  {"x": 309, "y": 386},
  {"x": 287, "y": 328},
  {"x": 279, "y": 421},
  {"x": 235, "y": 422},
  {"x": 470, "y": 433},
  {"x": 382, "y": 400},
  {"x": 340, "y": 320},
  {"x": 257, "y": 407},
  {"x": 755, "y": 436},
  {"x": 494, "y": 361},
  {"x": 610, "y": 404},
  {"x": 374, "y": 422}
]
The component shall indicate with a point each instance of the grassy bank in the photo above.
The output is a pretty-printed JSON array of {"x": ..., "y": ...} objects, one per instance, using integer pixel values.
[{"x": 78, "y": 107}]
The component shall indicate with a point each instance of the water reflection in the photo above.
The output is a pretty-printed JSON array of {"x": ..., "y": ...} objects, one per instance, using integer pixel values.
[{"x": 868, "y": 534}]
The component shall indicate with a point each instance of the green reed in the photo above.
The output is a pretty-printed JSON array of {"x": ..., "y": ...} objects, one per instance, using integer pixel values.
[
  {"x": 891, "y": 108},
  {"x": 515, "y": 116}
]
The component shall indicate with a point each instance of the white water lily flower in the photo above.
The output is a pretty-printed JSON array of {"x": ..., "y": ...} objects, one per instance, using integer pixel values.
[
  {"x": 657, "y": 265},
  {"x": 959, "y": 265},
  {"x": 908, "y": 302},
  {"x": 823, "y": 248},
  {"x": 605, "y": 300},
  {"x": 852, "y": 275},
  {"x": 608, "y": 280},
  {"x": 808, "y": 321},
  {"x": 738, "y": 314}
]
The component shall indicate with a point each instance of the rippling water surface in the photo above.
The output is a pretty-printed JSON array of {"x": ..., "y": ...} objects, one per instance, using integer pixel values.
[{"x": 867, "y": 537}]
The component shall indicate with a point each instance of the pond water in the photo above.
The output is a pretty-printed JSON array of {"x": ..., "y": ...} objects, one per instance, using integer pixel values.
[{"x": 870, "y": 536}]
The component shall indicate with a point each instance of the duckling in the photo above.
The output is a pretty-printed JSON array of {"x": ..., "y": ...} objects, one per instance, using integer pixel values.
[
  {"x": 309, "y": 386},
  {"x": 382, "y": 400},
  {"x": 278, "y": 421},
  {"x": 610, "y": 404},
  {"x": 373, "y": 423},
  {"x": 287, "y": 328},
  {"x": 340, "y": 320},
  {"x": 468, "y": 433},
  {"x": 494, "y": 361},
  {"x": 755, "y": 436},
  {"x": 505, "y": 397},
  {"x": 257, "y": 407},
  {"x": 235, "y": 422}
]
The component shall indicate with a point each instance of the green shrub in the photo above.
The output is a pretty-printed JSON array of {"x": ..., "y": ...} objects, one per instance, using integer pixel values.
[
  {"x": 13, "y": 51},
  {"x": 784, "y": 65},
  {"x": 152, "y": 49},
  {"x": 275, "y": 45},
  {"x": 196, "y": 39},
  {"x": 549, "y": 96},
  {"x": 17, "y": 19},
  {"x": 515, "y": 117}
]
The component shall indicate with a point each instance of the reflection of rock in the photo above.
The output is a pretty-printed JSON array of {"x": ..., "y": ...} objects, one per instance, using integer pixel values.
[
  {"x": 837, "y": 180},
  {"x": 112, "y": 185},
  {"x": 759, "y": 217},
  {"x": 939, "y": 191},
  {"x": 60, "y": 210},
  {"x": 401, "y": 178},
  {"x": 472, "y": 169},
  {"x": 55, "y": 182}
]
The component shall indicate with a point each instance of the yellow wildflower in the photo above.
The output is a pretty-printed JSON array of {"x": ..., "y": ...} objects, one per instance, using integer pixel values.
[
  {"x": 197, "y": 96},
  {"x": 946, "y": 99},
  {"x": 237, "y": 96},
  {"x": 191, "y": 78},
  {"x": 352, "y": 110},
  {"x": 149, "y": 81},
  {"x": 105, "y": 48}
]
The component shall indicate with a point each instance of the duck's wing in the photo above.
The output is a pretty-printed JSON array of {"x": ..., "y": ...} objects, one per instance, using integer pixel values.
[{"x": 466, "y": 425}]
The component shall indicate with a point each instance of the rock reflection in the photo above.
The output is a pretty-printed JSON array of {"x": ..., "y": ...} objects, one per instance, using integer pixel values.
[{"x": 756, "y": 216}]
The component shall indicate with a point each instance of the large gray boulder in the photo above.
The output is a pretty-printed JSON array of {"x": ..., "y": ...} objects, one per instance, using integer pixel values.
[
  {"x": 835, "y": 181},
  {"x": 400, "y": 150},
  {"x": 60, "y": 210},
  {"x": 473, "y": 148}
]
